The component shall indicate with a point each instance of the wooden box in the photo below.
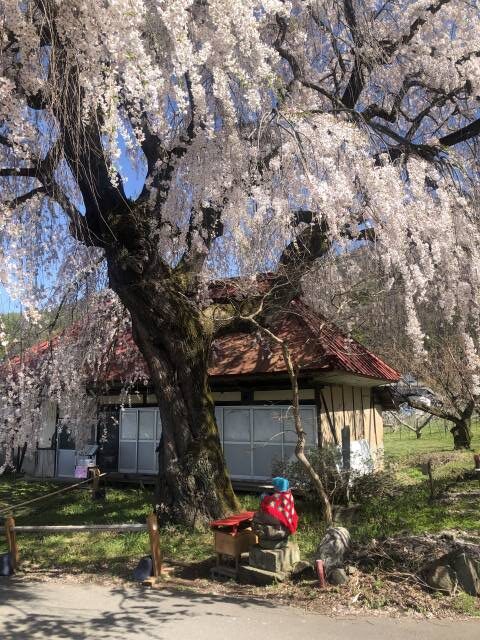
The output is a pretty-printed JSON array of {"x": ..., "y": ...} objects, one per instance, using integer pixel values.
[{"x": 230, "y": 544}]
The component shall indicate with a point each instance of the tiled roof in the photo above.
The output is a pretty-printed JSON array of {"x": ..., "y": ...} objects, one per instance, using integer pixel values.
[{"x": 314, "y": 344}]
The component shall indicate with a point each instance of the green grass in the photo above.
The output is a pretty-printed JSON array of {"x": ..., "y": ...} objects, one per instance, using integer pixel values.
[
  {"x": 435, "y": 438},
  {"x": 409, "y": 509},
  {"x": 467, "y": 605},
  {"x": 110, "y": 552}
]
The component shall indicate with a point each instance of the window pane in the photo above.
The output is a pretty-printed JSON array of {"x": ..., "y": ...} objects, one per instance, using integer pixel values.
[
  {"x": 219, "y": 420},
  {"x": 128, "y": 427},
  {"x": 146, "y": 425},
  {"x": 307, "y": 416},
  {"x": 159, "y": 426},
  {"x": 289, "y": 453},
  {"x": 236, "y": 425},
  {"x": 263, "y": 458},
  {"x": 309, "y": 424},
  {"x": 127, "y": 459},
  {"x": 237, "y": 457},
  {"x": 267, "y": 425},
  {"x": 146, "y": 457},
  {"x": 66, "y": 463}
]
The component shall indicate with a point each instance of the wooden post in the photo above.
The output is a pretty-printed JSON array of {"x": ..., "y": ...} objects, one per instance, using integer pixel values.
[
  {"x": 152, "y": 526},
  {"x": 12, "y": 541},
  {"x": 95, "y": 482},
  {"x": 430, "y": 478},
  {"x": 320, "y": 569}
]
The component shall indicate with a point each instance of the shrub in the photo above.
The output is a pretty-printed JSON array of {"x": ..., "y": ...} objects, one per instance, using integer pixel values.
[{"x": 342, "y": 485}]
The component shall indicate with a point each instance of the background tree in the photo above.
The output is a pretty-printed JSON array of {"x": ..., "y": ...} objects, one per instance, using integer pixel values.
[
  {"x": 415, "y": 422},
  {"x": 451, "y": 369},
  {"x": 262, "y": 134},
  {"x": 444, "y": 363}
]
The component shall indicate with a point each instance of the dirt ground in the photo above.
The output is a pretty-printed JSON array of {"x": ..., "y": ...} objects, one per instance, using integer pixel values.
[{"x": 384, "y": 580}]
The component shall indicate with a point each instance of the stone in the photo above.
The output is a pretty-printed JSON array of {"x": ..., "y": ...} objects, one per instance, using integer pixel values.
[
  {"x": 337, "y": 576},
  {"x": 468, "y": 576},
  {"x": 272, "y": 544},
  {"x": 267, "y": 531},
  {"x": 440, "y": 577},
  {"x": 333, "y": 547},
  {"x": 259, "y": 577},
  {"x": 275, "y": 560},
  {"x": 303, "y": 570},
  {"x": 6, "y": 565},
  {"x": 144, "y": 569},
  {"x": 452, "y": 570}
]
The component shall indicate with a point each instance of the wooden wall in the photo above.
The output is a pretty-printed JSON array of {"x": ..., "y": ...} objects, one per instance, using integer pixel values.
[{"x": 354, "y": 407}]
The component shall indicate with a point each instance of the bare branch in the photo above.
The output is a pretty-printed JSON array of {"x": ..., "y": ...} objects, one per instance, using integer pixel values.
[
  {"x": 17, "y": 202},
  {"x": 391, "y": 47},
  {"x": 415, "y": 403},
  {"x": 461, "y": 135},
  {"x": 19, "y": 172}
]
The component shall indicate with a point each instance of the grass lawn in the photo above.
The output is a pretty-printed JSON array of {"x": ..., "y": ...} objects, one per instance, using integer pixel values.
[
  {"x": 435, "y": 438},
  {"x": 117, "y": 553},
  {"x": 410, "y": 510}
]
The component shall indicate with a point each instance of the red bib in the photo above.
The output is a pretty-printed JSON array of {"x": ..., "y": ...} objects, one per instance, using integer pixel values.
[{"x": 281, "y": 507}]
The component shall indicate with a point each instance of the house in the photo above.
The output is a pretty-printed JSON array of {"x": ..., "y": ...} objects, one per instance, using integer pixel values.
[{"x": 343, "y": 390}]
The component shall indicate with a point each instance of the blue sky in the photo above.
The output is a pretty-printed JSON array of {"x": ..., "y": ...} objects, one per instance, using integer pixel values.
[{"x": 134, "y": 179}]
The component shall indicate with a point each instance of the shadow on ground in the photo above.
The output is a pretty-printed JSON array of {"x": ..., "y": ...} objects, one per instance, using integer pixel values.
[{"x": 56, "y": 610}]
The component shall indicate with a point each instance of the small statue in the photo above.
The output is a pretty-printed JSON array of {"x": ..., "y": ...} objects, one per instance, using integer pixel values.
[{"x": 277, "y": 518}]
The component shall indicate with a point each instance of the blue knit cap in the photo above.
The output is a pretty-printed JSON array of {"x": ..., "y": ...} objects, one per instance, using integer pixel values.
[{"x": 280, "y": 484}]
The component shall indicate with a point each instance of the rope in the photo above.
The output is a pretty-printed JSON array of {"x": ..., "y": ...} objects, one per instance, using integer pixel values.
[{"x": 6, "y": 510}]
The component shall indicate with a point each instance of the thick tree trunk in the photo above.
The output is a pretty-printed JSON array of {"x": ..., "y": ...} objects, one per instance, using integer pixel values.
[
  {"x": 193, "y": 486},
  {"x": 462, "y": 434}
]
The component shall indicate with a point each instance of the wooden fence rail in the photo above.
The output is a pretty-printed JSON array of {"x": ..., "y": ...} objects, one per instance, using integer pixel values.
[
  {"x": 80, "y": 527},
  {"x": 11, "y": 529}
]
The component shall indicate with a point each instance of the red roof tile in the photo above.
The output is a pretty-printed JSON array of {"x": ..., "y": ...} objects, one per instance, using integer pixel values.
[{"x": 315, "y": 345}]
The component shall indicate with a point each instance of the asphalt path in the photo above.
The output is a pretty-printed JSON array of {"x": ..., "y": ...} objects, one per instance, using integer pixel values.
[{"x": 31, "y": 610}]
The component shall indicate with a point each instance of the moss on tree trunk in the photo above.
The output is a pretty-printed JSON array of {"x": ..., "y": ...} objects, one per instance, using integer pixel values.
[{"x": 193, "y": 485}]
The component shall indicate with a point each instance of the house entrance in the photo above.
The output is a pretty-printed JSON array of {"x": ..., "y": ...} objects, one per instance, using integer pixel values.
[
  {"x": 256, "y": 437},
  {"x": 140, "y": 431}
]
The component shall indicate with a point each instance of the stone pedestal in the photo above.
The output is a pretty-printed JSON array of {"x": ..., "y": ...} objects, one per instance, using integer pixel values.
[
  {"x": 275, "y": 560},
  {"x": 268, "y": 566}
]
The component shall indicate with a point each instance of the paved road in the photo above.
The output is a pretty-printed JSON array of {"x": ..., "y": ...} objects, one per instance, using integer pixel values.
[{"x": 79, "y": 611}]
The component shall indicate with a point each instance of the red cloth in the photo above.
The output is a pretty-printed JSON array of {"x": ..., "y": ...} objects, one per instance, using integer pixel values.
[{"x": 281, "y": 506}]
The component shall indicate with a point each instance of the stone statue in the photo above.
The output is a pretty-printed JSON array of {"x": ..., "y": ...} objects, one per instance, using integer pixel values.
[{"x": 277, "y": 518}]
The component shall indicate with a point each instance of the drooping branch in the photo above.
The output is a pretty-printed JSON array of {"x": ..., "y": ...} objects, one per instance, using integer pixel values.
[{"x": 295, "y": 67}]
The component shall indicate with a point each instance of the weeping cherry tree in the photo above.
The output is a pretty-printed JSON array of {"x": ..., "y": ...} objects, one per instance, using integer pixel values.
[{"x": 152, "y": 146}]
